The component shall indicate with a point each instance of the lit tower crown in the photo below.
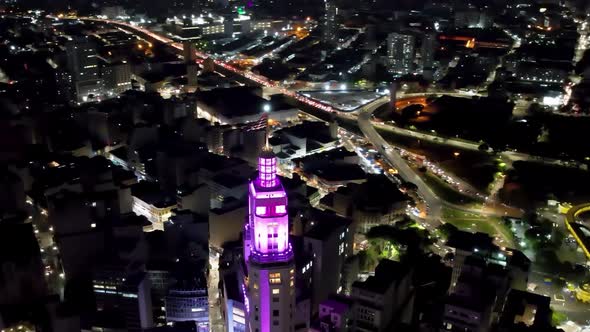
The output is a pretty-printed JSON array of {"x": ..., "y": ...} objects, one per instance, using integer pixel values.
[
  {"x": 268, "y": 219},
  {"x": 270, "y": 298}
]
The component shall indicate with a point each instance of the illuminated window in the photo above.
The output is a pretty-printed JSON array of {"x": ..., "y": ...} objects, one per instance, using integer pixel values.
[
  {"x": 274, "y": 278},
  {"x": 275, "y": 291},
  {"x": 261, "y": 210},
  {"x": 281, "y": 209}
]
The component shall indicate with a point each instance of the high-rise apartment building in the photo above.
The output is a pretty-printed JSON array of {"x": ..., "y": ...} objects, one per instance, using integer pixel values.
[
  {"x": 330, "y": 28},
  {"x": 269, "y": 257},
  {"x": 427, "y": 51},
  {"x": 400, "y": 52}
]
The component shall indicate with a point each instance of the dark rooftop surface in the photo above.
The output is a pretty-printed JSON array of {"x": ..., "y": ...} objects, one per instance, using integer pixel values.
[
  {"x": 328, "y": 156},
  {"x": 152, "y": 194},
  {"x": 131, "y": 219},
  {"x": 386, "y": 273},
  {"x": 231, "y": 286},
  {"x": 468, "y": 241},
  {"x": 318, "y": 131},
  {"x": 215, "y": 163},
  {"x": 325, "y": 223},
  {"x": 229, "y": 180},
  {"x": 518, "y": 300},
  {"x": 340, "y": 172},
  {"x": 18, "y": 244},
  {"x": 236, "y": 101}
]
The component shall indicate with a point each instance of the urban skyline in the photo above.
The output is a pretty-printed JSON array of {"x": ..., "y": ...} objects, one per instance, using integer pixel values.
[{"x": 282, "y": 165}]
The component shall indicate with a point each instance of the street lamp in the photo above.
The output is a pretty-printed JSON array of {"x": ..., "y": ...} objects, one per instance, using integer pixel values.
[{"x": 266, "y": 107}]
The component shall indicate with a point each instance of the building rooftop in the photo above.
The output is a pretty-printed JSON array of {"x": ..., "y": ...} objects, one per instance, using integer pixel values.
[
  {"x": 216, "y": 163},
  {"x": 516, "y": 306},
  {"x": 233, "y": 102},
  {"x": 467, "y": 241},
  {"x": 339, "y": 172},
  {"x": 326, "y": 223},
  {"x": 339, "y": 304},
  {"x": 152, "y": 194},
  {"x": 311, "y": 130},
  {"x": 229, "y": 180},
  {"x": 386, "y": 273}
]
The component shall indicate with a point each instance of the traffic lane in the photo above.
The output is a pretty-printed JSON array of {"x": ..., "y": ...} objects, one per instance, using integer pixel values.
[{"x": 395, "y": 159}]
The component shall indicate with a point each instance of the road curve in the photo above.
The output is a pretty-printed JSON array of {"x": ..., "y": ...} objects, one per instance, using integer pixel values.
[
  {"x": 570, "y": 218},
  {"x": 395, "y": 159}
]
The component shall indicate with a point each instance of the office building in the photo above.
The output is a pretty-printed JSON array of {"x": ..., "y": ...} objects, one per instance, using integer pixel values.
[
  {"x": 329, "y": 241},
  {"x": 381, "y": 297},
  {"x": 400, "y": 52},
  {"x": 116, "y": 77},
  {"x": 268, "y": 253},
  {"x": 188, "y": 301},
  {"x": 125, "y": 295},
  {"x": 477, "y": 298},
  {"x": 467, "y": 245},
  {"x": 82, "y": 62}
]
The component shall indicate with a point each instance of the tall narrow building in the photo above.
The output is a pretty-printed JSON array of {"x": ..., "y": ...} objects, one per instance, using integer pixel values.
[
  {"x": 427, "y": 50},
  {"x": 192, "y": 68},
  {"x": 268, "y": 254},
  {"x": 329, "y": 25}
]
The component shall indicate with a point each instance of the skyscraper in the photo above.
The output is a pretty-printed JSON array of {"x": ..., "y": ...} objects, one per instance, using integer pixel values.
[
  {"x": 400, "y": 52},
  {"x": 329, "y": 29},
  {"x": 268, "y": 253}
]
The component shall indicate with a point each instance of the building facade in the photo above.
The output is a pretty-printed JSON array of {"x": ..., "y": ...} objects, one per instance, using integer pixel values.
[
  {"x": 269, "y": 257},
  {"x": 330, "y": 28},
  {"x": 400, "y": 52}
]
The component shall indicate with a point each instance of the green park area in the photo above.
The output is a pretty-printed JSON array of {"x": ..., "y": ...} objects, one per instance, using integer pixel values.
[
  {"x": 446, "y": 192},
  {"x": 475, "y": 222},
  {"x": 393, "y": 242}
]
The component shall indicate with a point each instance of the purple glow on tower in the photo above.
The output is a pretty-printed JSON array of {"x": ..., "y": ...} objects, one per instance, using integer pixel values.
[
  {"x": 268, "y": 252},
  {"x": 267, "y": 171},
  {"x": 268, "y": 220},
  {"x": 246, "y": 301}
]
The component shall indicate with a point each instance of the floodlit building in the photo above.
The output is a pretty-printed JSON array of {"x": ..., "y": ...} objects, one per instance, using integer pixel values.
[
  {"x": 156, "y": 206},
  {"x": 268, "y": 254}
]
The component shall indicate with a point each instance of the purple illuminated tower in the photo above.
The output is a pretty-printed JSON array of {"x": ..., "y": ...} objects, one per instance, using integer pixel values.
[{"x": 269, "y": 257}]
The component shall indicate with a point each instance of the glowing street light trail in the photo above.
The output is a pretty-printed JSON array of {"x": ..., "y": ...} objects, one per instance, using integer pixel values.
[{"x": 244, "y": 73}]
